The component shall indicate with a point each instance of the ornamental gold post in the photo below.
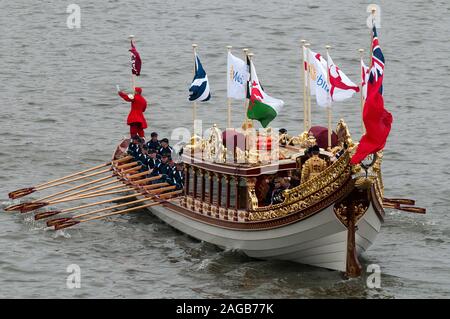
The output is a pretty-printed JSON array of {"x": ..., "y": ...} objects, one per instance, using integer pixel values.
[
  {"x": 211, "y": 191},
  {"x": 203, "y": 179},
  {"x": 219, "y": 193},
  {"x": 228, "y": 187},
  {"x": 186, "y": 178},
  {"x": 329, "y": 101},
  {"x": 229, "y": 47},
  {"x": 305, "y": 105},
  {"x": 363, "y": 129},
  {"x": 194, "y": 191},
  {"x": 236, "y": 204}
]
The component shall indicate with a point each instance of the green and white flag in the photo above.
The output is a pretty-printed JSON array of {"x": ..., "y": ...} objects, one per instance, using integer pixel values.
[{"x": 262, "y": 107}]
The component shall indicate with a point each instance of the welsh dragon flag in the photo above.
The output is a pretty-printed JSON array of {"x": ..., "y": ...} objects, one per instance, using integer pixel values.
[{"x": 262, "y": 107}]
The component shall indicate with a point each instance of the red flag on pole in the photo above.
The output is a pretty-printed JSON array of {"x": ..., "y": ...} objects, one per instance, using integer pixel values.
[
  {"x": 376, "y": 118},
  {"x": 135, "y": 60},
  {"x": 378, "y": 123}
]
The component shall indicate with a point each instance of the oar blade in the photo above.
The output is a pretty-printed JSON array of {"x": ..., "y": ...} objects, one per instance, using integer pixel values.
[
  {"x": 66, "y": 224},
  {"x": 43, "y": 215},
  {"x": 14, "y": 207},
  {"x": 21, "y": 192},
  {"x": 417, "y": 210},
  {"x": 28, "y": 207},
  {"x": 57, "y": 221}
]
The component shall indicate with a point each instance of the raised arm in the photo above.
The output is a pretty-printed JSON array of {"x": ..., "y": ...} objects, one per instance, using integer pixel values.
[{"x": 125, "y": 96}]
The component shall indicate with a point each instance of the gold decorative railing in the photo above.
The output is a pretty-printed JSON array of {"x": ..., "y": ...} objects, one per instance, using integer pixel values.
[{"x": 308, "y": 193}]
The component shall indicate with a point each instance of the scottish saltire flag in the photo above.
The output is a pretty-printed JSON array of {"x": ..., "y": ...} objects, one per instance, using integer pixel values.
[
  {"x": 200, "y": 86},
  {"x": 341, "y": 87}
]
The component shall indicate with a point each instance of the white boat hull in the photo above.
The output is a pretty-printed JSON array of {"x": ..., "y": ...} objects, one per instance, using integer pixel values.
[{"x": 320, "y": 240}]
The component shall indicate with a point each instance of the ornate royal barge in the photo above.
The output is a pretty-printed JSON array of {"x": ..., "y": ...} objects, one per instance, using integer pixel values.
[{"x": 327, "y": 221}]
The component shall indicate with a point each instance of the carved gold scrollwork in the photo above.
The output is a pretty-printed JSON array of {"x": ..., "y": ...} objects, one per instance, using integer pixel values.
[
  {"x": 301, "y": 203},
  {"x": 355, "y": 204},
  {"x": 252, "y": 198},
  {"x": 341, "y": 212}
]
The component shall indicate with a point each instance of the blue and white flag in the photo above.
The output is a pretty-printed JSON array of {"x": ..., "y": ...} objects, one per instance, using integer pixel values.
[{"x": 200, "y": 86}]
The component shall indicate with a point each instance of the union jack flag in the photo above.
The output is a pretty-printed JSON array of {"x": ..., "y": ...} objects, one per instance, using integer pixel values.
[{"x": 377, "y": 67}]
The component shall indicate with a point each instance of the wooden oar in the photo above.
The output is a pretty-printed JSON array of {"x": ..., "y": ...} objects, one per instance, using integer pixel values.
[
  {"x": 57, "y": 221},
  {"x": 34, "y": 206},
  {"x": 135, "y": 176},
  {"x": 91, "y": 194},
  {"x": 56, "y": 212},
  {"x": 70, "y": 223},
  {"x": 28, "y": 207},
  {"x": 75, "y": 188},
  {"x": 410, "y": 209},
  {"x": 28, "y": 190},
  {"x": 124, "y": 179},
  {"x": 402, "y": 201},
  {"x": 89, "y": 189},
  {"x": 93, "y": 174},
  {"x": 145, "y": 180},
  {"x": 157, "y": 185},
  {"x": 43, "y": 215},
  {"x": 36, "y": 189},
  {"x": 125, "y": 166}
]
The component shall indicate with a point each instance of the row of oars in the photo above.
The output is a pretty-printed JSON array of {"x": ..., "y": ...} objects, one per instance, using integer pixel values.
[
  {"x": 124, "y": 173},
  {"x": 397, "y": 203}
]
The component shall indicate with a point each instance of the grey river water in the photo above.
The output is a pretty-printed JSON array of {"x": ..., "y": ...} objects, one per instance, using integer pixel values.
[{"x": 60, "y": 113}]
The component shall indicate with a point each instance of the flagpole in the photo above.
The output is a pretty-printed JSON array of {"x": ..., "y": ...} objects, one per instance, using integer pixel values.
[
  {"x": 250, "y": 56},
  {"x": 229, "y": 47},
  {"x": 374, "y": 10},
  {"x": 247, "y": 146},
  {"x": 305, "y": 123},
  {"x": 246, "y": 87},
  {"x": 194, "y": 108},
  {"x": 133, "y": 80},
  {"x": 363, "y": 129},
  {"x": 329, "y": 102},
  {"x": 308, "y": 92}
]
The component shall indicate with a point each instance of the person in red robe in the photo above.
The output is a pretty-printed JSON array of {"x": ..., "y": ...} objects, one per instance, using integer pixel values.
[{"x": 136, "y": 119}]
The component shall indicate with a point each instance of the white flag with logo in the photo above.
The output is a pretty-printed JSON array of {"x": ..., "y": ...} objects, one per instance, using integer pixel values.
[
  {"x": 341, "y": 87},
  {"x": 318, "y": 75},
  {"x": 237, "y": 78}
]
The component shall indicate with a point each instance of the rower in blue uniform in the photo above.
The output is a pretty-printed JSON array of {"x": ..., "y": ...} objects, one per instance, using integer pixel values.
[
  {"x": 153, "y": 160},
  {"x": 134, "y": 148},
  {"x": 143, "y": 159},
  {"x": 178, "y": 176},
  {"x": 165, "y": 148},
  {"x": 153, "y": 143},
  {"x": 163, "y": 169}
]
